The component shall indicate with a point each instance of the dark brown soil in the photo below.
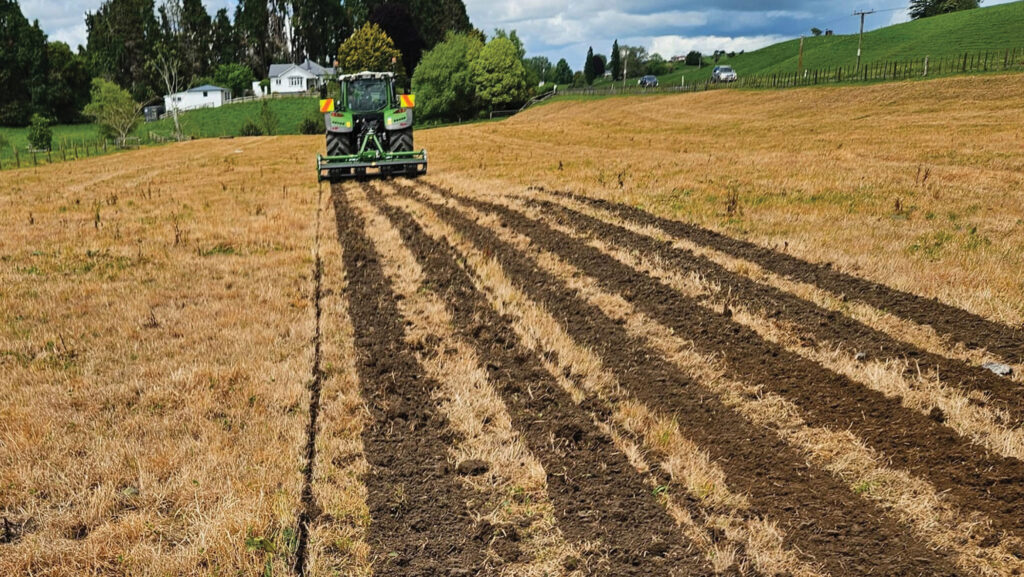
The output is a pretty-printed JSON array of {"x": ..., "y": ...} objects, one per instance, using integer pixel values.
[
  {"x": 914, "y": 442},
  {"x": 968, "y": 328},
  {"x": 820, "y": 516},
  {"x": 819, "y": 324},
  {"x": 420, "y": 510},
  {"x": 597, "y": 496}
]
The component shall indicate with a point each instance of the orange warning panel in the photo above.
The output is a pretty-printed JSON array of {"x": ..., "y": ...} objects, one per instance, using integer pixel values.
[
  {"x": 327, "y": 105},
  {"x": 407, "y": 100}
]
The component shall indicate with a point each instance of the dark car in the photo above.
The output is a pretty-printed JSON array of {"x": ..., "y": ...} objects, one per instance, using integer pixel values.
[{"x": 648, "y": 82}]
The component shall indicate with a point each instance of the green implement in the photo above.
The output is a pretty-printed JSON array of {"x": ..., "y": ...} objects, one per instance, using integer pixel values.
[{"x": 369, "y": 130}]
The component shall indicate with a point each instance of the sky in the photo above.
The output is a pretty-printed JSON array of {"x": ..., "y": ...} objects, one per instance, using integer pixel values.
[{"x": 566, "y": 28}]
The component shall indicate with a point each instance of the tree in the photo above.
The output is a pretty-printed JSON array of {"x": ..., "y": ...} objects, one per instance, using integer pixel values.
[
  {"x": 588, "y": 67},
  {"x": 499, "y": 75},
  {"x": 370, "y": 48},
  {"x": 224, "y": 43},
  {"x": 600, "y": 64},
  {"x": 539, "y": 69},
  {"x": 122, "y": 36},
  {"x": 396, "y": 21},
  {"x": 268, "y": 119},
  {"x": 615, "y": 62},
  {"x": 234, "y": 76},
  {"x": 318, "y": 29},
  {"x": 23, "y": 66},
  {"x": 170, "y": 70},
  {"x": 443, "y": 80},
  {"x": 40, "y": 135},
  {"x": 694, "y": 58},
  {"x": 816, "y": 31},
  {"x": 563, "y": 73},
  {"x": 925, "y": 8},
  {"x": 656, "y": 65},
  {"x": 113, "y": 109},
  {"x": 195, "y": 37},
  {"x": 633, "y": 63},
  {"x": 514, "y": 38},
  {"x": 67, "y": 83},
  {"x": 251, "y": 31},
  {"x": 435, "y": 18}
]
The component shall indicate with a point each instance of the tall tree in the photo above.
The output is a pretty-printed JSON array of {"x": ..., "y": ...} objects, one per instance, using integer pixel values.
[
  {"x": 67, "y": 83},
  {"x": 223, "y": 40},
  {"x": 925, "y": 8},
  {"x": 435, "y": 18},
  {"x": 588, "y": 67},
  {"x": 23, "y": 66},
  {"x": 499, "y": 75},
  {"x": 539, "y": 69},
  {"x": 563, "y": 72},
  {"x": 615, "y": 62},
  {"x": 279, "y": 14},
  {"x": 318, "y": 29},
  {"x": 514, "y": 39},
  {"x": 122, "y": 35},
  {"x": 600, "y": 64},
  {"x": 196, "y": 37},
  {"x": 251, "y": 31},
  {"x": 396, "y": 21}
]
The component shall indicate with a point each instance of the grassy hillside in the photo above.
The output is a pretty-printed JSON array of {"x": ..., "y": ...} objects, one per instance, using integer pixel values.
[
  {"x": 228, "y": 120},
  {"x": 996, "y": 28}
]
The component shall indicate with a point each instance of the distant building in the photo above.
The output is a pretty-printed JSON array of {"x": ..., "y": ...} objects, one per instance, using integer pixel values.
[
  {"x": 206, "y": 96},
  {"x": 293, "y": 78}
]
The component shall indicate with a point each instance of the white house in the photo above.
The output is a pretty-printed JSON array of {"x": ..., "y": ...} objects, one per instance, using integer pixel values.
[
  {"x": 206, "y": 96},
  {"x": 291, "y": 78}
]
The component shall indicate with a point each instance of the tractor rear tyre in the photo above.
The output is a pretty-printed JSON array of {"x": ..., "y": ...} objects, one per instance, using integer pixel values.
[
  {"x": 340, "y": 144},
  {"x": 400, "y": 140}
]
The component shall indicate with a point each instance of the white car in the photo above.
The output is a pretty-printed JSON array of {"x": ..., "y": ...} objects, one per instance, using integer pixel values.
[{"x": 723, "y": 74}]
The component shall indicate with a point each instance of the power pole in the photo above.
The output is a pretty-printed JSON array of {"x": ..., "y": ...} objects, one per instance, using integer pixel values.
[
  {"x": 800, "y": 64},
  {"x": 862, "y": 14}
]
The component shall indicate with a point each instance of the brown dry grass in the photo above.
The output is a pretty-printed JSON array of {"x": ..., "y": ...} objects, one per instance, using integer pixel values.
[
  {"x": 916, "y": 185},
  {"x": 155, "y": 327}
]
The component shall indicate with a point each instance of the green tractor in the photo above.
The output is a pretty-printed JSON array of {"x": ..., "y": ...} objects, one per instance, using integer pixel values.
[{"x": 369, "y": 130}]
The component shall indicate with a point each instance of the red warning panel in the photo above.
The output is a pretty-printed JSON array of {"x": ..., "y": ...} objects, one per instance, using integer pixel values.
[
  {"x": 327, "y": 105},
  {"x": 408, "y": 100}
]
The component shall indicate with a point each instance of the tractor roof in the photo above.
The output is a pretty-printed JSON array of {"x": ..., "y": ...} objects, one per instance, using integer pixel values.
[{"x": 368, "y": 75}]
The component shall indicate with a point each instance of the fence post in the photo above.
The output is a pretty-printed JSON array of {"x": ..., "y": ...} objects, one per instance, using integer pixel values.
[{"x": 17, "y": 158}]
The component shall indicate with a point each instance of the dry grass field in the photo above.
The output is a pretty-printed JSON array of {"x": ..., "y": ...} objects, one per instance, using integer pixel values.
[{"x": 716, "y": 334}]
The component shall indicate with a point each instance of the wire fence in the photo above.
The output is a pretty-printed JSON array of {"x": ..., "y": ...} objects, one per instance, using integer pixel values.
[{"x": 883, "y": 70}]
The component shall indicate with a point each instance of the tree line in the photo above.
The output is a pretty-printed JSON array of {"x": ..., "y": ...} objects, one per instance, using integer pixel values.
[{"x": 151, "y": 49}]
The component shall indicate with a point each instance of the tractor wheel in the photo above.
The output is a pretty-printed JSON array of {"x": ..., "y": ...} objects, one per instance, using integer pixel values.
[
  {"x": 400, "y": 141},
  {"x": 339, "y": 144}
]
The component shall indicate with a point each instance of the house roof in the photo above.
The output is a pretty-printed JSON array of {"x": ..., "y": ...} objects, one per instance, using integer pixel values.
[
  {"x": 309, "y": 67},
  {"x": 207, "y": 88}
]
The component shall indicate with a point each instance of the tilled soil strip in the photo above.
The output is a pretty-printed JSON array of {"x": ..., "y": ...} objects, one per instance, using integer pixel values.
[
  {"x": 817, "y": 323},
  {"x": 968, "y": 328},
  {"x": 597, "y": 495},
  {"x": 719, "y": 523},
  {"x": 420, "y": 521},
  {"x": 820, "y": 516},
  {"x": 524, "y": 536},
  {"x": 338, "y": 525},
  {"x": 988, "y": 483},
  {"x": 839, "y": 452}
]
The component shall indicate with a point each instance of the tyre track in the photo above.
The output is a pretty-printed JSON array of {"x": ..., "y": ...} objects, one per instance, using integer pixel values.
[
  {"x": 983, "y": 482},
  {"x": 815, "y": 320},
  {"x": 822, "y": 518},
  {"x": 962, "y": 326},
  {"x": 596, "y": 495},
  {"x": 420, "y": 522}
]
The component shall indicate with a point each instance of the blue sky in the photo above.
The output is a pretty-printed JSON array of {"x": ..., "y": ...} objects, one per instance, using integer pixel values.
[{"x": 566, "y": 28}]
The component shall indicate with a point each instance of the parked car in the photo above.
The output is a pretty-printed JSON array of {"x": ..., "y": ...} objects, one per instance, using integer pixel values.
[
  {"x": 648, "y": 81},
  {"x": 723, "y": 74}
]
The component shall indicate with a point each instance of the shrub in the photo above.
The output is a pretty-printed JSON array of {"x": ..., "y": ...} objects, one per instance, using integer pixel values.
[
  {"x": 40, "y": 135},
  {"x": 312, "y": 125},
  {"x": 250, "y": 128}
]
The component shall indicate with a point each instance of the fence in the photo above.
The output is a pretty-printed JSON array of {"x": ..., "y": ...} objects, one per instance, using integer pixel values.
[
  {"x": 65, "y": 150},
  {"x": 987, "y": 61}
]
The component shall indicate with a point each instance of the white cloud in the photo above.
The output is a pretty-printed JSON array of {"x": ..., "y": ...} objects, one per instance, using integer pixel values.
[{"x": 669, "y": 46}]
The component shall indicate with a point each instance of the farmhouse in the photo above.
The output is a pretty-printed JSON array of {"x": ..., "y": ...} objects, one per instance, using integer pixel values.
[
  {"x": 206, "y": 96},
  {"x": 292, "y": 78}
]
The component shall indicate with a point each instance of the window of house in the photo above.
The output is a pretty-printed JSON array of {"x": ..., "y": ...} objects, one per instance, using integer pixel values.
[
  {"x": 277, "y": 81},
  {"x": 296, "y": 81},
  {"x": 204, "y": 94}
]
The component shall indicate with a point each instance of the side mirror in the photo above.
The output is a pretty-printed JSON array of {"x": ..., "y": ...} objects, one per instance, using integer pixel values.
[{"x": 323, "y": 91}]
